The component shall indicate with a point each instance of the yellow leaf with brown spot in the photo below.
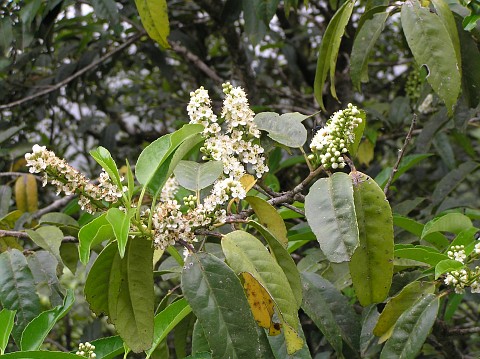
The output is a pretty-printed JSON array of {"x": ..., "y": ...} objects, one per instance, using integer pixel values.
[
  {"x": 26, "y": 194},
  {"x": 292, "y": 340},
  {"x": 261, "y": 304}
]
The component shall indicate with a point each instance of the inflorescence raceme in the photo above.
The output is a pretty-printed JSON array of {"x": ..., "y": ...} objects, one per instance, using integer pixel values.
[
  {"x": 233, "y": 139},
  {"x": 465, "y": 277},
  {"x": 332, "y": 141}
]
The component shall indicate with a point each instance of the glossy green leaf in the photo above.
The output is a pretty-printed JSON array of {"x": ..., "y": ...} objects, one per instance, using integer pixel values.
[
  {"x": 199, "y": 340},
  {"x": 120, "y": 222},
  {"x": 447, "y": 265},
  {"x": 358, "y": 133},
  {"x": 49, "y": 238},
  {"x": 451, "y": 222},
  {"x": 6, "y": 325},
  {"x": 432, "y": 46},
  {"x": 284, "y": 260},
  {"x": 245, "y": 253},
  {"x": 330, "y": 311},
  {"x": 406, "y": 163},
  {"x": 422, "y": 254},
  {"x": 466, "y": 238},
  {"x": 398, "y": 305},
  {"x": 412, "y": 329},
  {"x": 330, "y": 211},
  {"x": 328, "y": 53},
  {"x": 365, "y": 39},
  {"x": 286, "y": 129},
  {"x": 104, "y": 159},
  {"x": 371, "y": 266},
  {"x": 16, "y": 281},
  {"x": 154, "y": 16},
  {"x": 41, "y": 354},
  {"x": 153, "y": 165},
  {"x": 93, "y": 233},
  {"x": 216, "y": 296},
  {"x": 279, "y": 347},
  {"x": 269, "y": 217},
  {"x": 196, "y": 176},
  {"x": 408, "y": 224},
  {"x": 166, "y": 320},
  {"x": 448, "y": 183},
  {"x": 131, "y": 296},
  {"x": 108, "y": 347},
  {"x": 37, "y": 330}
]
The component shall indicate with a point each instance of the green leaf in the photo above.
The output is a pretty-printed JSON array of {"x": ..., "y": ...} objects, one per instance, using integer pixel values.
[
  {"x": 93, "y": 233},
  {"x": 284, "y": 260},
  {"x": 412, "y": 329},
  {"x": 6, "y": 325},
  {"x": 166, "y": 320},
  {"x": 269, "y": 218},
  {"x": 49, "y": 238},
  {"x": 422, "y": 254},
  {"x": 365, "y": 39},
  {"x": 447, "y": 265},
  {"x": 431, "y": 45},
  {"x": 5, "y": 197},
  {"x": 448, "y": 183},
  {"x": 265, "y": 9},
  {"x": 131, "y": 296},
  {"x": 120, "y": 222},
  {"x": 286, "y": 129},
  {"x": 279, "y": 347},
  {"x": 106, "y": 9},
  {"x": 398, "y": 305},
  {"x": 245, "y": 253},
  {"x": 109, "y": 347},
  {"x": 16, "y": 281},
  {"x": 330, "y": 211},
  {"x": 154, "y": 16},
  {"x": 255, "y": 28},
  {"x": 408, "y": 224},
  {"x": 41, "y": 354},
  {"x": 37, "y": 330},
  {"x": 5, "y": 41},
  {"x": 216, "y": 296},
  {"x": 471, "y": 66},
  {"x": 195, "y": 176},
  {"x": 69, "y": 254},
  {"x": 199, "y": 341},
  {"x": 358, "y": 133},
  {"x": 10, "y": 131},
  {"x": 330, "y": 311},
  {"x": 153, "y": 165},
  {"x": 104, "y": 159},
  {"x": 61, "y": 220},
  {"x": 328, "y": 53},
  {"x": 406, "y": 163},
  {"x": 44, "y": 268},
  {"x": 451, "y": 222},
  {"x": 371, "y": 266}
]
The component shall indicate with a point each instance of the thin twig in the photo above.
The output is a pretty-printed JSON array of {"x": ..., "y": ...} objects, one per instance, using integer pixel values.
[
  {"x": 24, "y": 235},
  {"x": 402, "y": 152},
  {"x": 56, "y": 205},
  {"x": 74, "y": 76},
  {"x": 463, "y": 331},
  {"x": 293, "y": 208},
  {"x": 196, "y": 61},
  {"x": 18, "y": 174}
]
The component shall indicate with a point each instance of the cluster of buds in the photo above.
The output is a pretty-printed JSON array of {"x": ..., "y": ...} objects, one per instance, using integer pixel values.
[
  {"x": 70, "y": 181},
  {"x": 331, "y": 142},
  {"x": 465, "y": 277},
  {"x": 86, "y": 350}
]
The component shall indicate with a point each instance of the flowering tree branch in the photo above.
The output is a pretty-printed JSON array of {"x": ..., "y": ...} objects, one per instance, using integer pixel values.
[{"x": 24, "y": 235}]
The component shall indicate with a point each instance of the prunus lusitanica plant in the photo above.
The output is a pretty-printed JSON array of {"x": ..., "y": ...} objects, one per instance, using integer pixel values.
[{"x": 239, "y": 179}]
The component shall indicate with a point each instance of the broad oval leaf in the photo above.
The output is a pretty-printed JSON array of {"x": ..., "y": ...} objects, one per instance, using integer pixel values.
[
  {"x": 26, "y": 193},
  {"x": 328, "y": 53},
  {"x": 17, "y": 282},
  {"x": 399, "y": 304},
  {"x": 93, "y": 233},
  {"x": 371, "y": 266},
  {"x": 447, "y": 265},
  {"x": 245, "y": 253},
  {"x": 371, "y": 28},
  {"x": 196, "y": 176},
  {"x": 412, "y": 329},
  {"x": 330, "y": 311},
  {"x": 108, "y": 347},
  {"x": 37, "y": 330},
  {"x": 451, "y": 222},
  {"x": 154, "y": 16},
  {"x": 269, "y": 217},
  {"x": 286, "y": 129},
  {"x": 7, "y": 318},
  {"x": 432, "y": 46},
  {"x": 330, "y": 211},
  {"x": 49, "y": 238},
  {"x": 419, "y": 253},
  {"x": 216, "y": 296}
]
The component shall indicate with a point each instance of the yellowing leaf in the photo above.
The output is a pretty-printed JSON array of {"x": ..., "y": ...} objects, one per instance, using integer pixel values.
[
  {"x": 365, "y": 152},
  {"x": 261, "y": 304},
  {"x": 292, "y": 339},
  {"x": 248, "y": 181},
  {"x": 26, "y": 194},
  {"x": 154, "y": 16}
]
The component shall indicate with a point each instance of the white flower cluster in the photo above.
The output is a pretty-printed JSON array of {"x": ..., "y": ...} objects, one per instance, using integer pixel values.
[
  {"x": 86, "y": 350},
  {"x": 169, "y": 189},
  {"x": 237, "y": 146},
  {"x": 70, "y": 181},
  {"x": 464, "y": 277},
  {"x": 331, "y": 141}
]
